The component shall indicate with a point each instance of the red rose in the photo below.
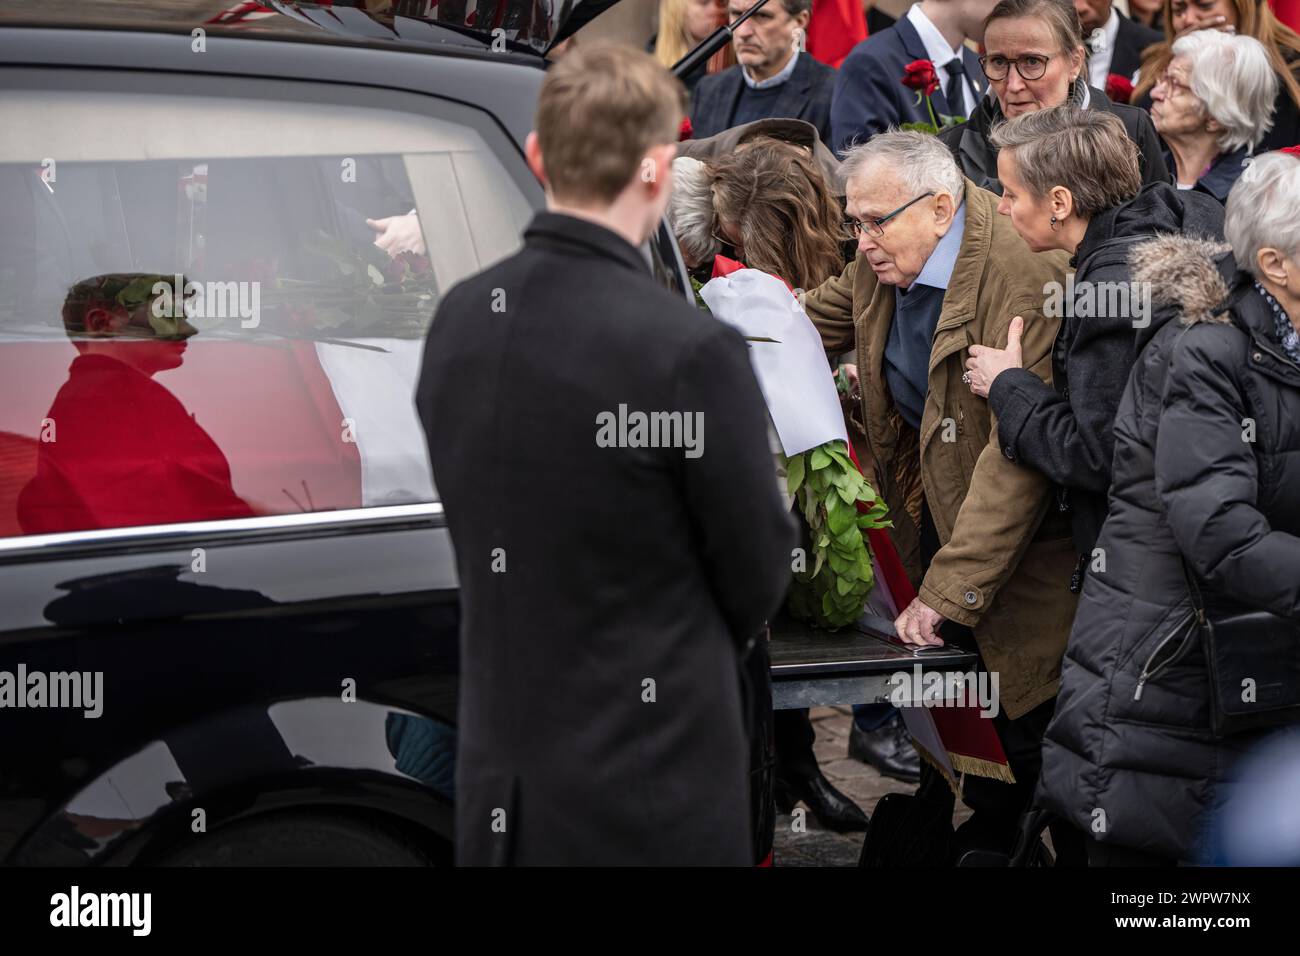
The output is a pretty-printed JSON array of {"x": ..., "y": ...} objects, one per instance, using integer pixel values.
[
  {"x": 1119, "y": 88},
  {"x": 919, "y": 75},
  {"x": 685, "y": 131}
]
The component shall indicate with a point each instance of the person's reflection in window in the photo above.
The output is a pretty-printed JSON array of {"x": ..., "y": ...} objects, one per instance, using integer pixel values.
[{"x": 125, "y": 450}]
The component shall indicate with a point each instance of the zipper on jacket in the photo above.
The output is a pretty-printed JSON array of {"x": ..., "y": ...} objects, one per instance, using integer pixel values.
[{"x": 1147, "y": 673}]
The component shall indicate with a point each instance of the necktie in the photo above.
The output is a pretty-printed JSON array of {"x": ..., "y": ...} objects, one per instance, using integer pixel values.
[{"x": 956, "y": 71}]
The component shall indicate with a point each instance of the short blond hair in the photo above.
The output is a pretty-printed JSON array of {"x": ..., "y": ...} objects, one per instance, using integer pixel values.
[
  {"x": 601, "y": 108},
  {"x": 1086, "y": 151}
]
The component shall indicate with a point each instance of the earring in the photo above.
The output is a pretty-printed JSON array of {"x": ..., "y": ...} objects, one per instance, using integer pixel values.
[{"x": 1054, "y": 223}]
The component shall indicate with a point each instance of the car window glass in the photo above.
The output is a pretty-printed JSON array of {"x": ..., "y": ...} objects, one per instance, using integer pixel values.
[{"x": 195, "y": 319}]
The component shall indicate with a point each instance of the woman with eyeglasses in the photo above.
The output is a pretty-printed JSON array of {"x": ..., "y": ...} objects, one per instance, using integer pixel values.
[
  {"x": 1035, "y": 59},
  {"x": 1212, "y": 107},
  {"x": 1252, "y": 18}
]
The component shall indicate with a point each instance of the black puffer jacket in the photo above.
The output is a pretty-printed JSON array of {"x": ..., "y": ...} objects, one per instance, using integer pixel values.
[
  {"x": 969, "y": 141},
  {"x": 1147, "y": 773},
  {"x": 1066, "y": 430}
]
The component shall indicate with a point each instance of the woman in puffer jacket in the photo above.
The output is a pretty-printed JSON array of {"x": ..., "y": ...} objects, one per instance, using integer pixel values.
[{"x": 1206, "y": 470}]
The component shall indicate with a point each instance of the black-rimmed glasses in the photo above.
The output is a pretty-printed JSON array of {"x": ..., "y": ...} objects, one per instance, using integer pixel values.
[{"x": 1031, "y": 66}]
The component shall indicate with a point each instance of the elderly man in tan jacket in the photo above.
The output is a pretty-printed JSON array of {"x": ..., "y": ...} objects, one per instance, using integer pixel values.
[{"x": 937, "y": 271}]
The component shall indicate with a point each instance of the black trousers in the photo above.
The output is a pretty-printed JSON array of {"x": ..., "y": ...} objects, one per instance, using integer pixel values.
[{"x": 794, "y": 736}]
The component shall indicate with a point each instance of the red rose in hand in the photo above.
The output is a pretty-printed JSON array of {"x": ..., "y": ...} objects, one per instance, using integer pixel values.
[
  {"x": 685, "y": 131},
  {"x": 1119, "y": 88},
  {"x": 919, "y": 75}
]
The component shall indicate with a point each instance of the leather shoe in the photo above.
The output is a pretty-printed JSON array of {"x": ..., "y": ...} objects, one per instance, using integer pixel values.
[
  {"x": 832, "y": 809},
  {"x": 889, "y": 749}
]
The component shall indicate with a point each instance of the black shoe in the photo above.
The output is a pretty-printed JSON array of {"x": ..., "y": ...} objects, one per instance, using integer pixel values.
[
  {"x": 832, "y": 809},
  {"x": 889, "y": 749}
]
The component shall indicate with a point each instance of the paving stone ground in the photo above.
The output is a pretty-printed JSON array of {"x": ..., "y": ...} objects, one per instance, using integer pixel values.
[{"x": 859, "y": 782}]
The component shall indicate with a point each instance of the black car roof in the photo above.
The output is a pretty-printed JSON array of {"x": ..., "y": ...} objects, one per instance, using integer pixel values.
[{"x": 530, "y": 26}]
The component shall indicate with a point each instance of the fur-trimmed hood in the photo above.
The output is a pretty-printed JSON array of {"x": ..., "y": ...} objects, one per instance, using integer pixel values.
[{"x": 1184, "y": 274}]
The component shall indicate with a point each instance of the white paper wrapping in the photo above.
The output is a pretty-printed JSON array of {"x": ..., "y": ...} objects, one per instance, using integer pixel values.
[{"x": 792, "y": 371}]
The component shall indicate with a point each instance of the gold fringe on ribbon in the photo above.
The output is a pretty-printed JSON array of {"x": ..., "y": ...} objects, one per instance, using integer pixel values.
[
  {"x": 953, "y": 784},
  {"x": 979, "y": 766}
]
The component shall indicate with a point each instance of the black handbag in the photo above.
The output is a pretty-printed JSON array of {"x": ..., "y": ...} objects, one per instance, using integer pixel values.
[{"x": 1253, "y": 658}]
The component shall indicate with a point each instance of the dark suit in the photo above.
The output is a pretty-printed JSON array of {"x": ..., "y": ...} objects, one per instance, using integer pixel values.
[
  {"x": 869, "y": 94},
  {"x": 806, "y": 96},
  {"x": 1130, "y": 41},
  {"x": 622, "y": 564}
]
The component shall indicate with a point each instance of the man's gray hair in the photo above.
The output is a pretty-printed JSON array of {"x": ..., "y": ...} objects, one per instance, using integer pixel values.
[
  {"x": 1235, "y": 82},
  {"x": 1264, "y": 209},
  {"x": 690, "y": 209},
  {"x": 920, "y": 160}
]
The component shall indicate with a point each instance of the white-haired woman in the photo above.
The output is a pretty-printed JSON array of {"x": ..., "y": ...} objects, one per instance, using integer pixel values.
[
  {"x": 1205, "y": 501},
  {"x": 1213, "y": 106},
  {"x": 690, "y": 210}
]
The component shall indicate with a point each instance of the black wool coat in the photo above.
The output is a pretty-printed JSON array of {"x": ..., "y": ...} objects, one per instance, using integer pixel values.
[
  {"x": 1066, "y": 430},
  {"x": 1144, "y": 771},
  {"x": 606, "y": 592}
]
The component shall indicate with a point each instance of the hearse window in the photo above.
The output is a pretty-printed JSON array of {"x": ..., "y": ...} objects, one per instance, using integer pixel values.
[{"x": 195, "y": 320}]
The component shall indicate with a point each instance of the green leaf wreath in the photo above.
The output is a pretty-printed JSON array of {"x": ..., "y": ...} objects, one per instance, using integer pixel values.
[{"x": 827, "y": 487}]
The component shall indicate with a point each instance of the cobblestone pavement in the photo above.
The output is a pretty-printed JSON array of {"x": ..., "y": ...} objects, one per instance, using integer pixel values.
[{"x": 859, "y": 782}]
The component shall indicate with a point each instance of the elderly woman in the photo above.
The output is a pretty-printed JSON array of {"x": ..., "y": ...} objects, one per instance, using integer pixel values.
[
  {"x": 1205, "y": 502},
  {"x": 1251, "y": 18},
  {"x": 1212, "y": 107},
  {"x": 1070, "y": 181},
  {"x": 1034, "y": 59}
]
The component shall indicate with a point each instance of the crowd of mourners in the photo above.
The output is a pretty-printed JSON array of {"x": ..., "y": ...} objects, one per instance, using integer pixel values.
[{"x": 1074, "y": 236}]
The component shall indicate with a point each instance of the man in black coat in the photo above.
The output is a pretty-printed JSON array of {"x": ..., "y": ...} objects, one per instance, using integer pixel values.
[
  {"x": 773, "y": 78},
  {"x": 600, "y": 447}
]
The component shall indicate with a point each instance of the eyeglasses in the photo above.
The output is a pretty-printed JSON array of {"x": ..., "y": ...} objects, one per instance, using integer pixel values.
[
  {"x": 875, "y": 228},
  {"x": 1032, "y": 66},
  {"x": 1172, "y": 84}
]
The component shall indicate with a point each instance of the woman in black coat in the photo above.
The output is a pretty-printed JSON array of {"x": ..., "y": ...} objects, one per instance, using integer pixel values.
[
  {"x": 1072, "y": 183},
  {"x": 1207, "y": 472},
  {"x": 1034, "y": 60}
]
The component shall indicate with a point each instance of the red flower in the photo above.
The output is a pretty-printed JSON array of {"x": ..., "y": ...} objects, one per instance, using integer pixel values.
[
  {"x": 1291, "y": 151},
  {"x": 1119, "y": 88},
  {"x": 919, "y": 75},
  {"x": 685, "y": 131}
]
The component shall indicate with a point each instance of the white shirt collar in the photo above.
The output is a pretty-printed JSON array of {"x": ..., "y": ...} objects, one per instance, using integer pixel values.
[
  {"x": 781, "y": 76},
  {"x": 937, "y": 271},
  {"x": 936, "y": 47},
  {"x": 1099, "y": 62}
]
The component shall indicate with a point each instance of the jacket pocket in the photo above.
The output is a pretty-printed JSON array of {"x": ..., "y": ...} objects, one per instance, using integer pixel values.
[{"x": 1169, "y": 650}]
